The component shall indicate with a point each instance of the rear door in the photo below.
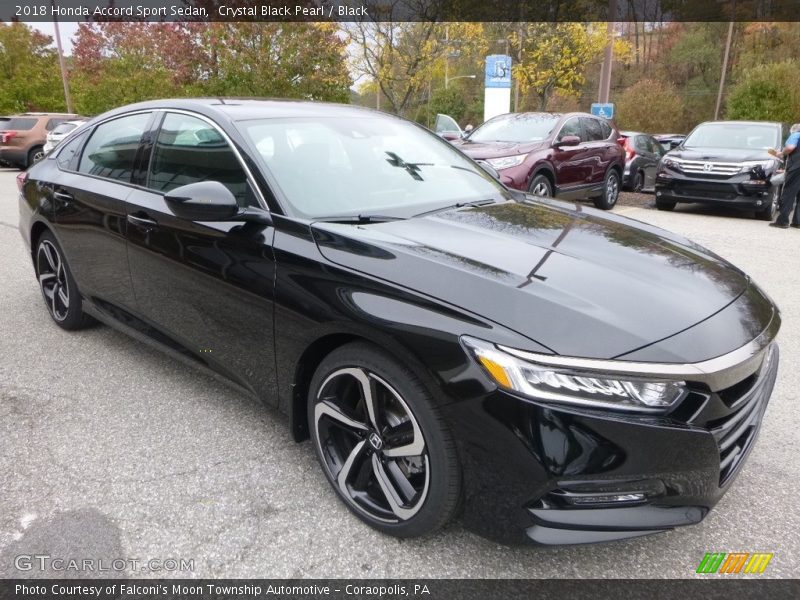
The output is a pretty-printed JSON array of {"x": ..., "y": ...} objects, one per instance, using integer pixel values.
[
  {"x": 598, "y": 144},
  {"x": 89, "y": 205},
  {"x": 207, "y": 286}
]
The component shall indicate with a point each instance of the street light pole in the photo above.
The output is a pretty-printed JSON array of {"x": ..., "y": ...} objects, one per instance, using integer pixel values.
[
  {"x": 64, "y": 76},
  {"x": 447, "y": 79},
  {"x": 608, "y": 56}
]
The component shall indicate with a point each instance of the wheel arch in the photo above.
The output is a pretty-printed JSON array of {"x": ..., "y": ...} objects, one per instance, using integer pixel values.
[
  {"x": 546, "y": 170},
  {"x": 37, "y": 229}
]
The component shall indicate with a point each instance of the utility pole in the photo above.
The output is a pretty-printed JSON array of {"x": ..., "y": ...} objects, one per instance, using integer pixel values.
[
  {"x": 64, "y": 76},
  {"x": 724, "y": 70},
  {"x": 608, "y": 55}
]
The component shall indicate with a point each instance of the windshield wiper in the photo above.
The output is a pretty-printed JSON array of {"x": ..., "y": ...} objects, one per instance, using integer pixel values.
[
  {"x": 358, "y": 219},
  {"x": 458, "y": 205}
]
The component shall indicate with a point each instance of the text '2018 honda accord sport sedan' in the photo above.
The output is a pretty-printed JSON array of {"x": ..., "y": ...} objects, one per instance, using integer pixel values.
[{"x": 545, "y": 371}]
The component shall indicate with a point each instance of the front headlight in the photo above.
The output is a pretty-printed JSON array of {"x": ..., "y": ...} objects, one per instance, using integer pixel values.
[
  {"x": 577, "y": 387},
  {"x": 506, "y": 162},
  {"x": 767, "y": 165},
  {"x": 672, "y": 163}
]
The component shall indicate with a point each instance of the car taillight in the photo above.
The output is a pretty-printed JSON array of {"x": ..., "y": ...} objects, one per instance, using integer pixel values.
[
  {"x": 21, "y": 179},
  {"x": 630, "y": 152},
  {"x": 7, "y": 135}
]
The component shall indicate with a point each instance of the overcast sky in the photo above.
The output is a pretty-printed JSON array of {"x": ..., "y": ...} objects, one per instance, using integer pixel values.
[{"x": 67, "y": 31}]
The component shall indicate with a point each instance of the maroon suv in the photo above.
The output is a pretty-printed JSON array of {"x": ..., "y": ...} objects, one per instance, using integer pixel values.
[{"x": 574, "y": 156}]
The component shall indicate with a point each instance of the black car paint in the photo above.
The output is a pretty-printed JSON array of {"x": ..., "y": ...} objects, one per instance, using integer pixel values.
[{"x": 259, "y": 307}]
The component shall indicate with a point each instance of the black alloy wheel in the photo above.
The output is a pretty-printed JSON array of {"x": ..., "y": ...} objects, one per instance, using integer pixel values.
[
  {"x": 381, "y": 442},
  {"x": 770, "y": 212},
  {"x": 58, "y": 288},
  {"x": 638, "y": 182}
]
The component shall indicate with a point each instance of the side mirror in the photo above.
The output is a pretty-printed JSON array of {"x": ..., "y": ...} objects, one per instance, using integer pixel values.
[
  {"x": 569, "y": 140},
  {"x": 211, "y": 201},
  {"x": 451, "y": 136},
  {"x": 489, "y": 169}
]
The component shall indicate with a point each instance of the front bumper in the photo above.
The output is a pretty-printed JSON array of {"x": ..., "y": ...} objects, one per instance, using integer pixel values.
[
  {"x": 738, "y": 191},
  {"x": 556, "y": 475}
]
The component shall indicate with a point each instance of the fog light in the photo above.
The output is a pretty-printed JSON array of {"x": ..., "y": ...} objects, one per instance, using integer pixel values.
[
  {"x": 604, "y": 499},
  {"x": 658, "y": 193}
]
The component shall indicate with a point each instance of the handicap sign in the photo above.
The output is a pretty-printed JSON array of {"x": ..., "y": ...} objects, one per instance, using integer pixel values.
[
  {"x": 605, "y": 110},
  {"x": 498, "y": 71}
]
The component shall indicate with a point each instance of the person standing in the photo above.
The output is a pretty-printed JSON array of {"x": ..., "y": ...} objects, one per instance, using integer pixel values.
[{"x": 791, "y": 186}]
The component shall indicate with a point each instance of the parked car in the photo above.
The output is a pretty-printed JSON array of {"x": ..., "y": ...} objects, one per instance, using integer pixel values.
[
  {"x": 60, "y": 132},
  {"x": 573, "y": 156},
  {"x": 22, "y": 141},
  {"x": 669, "y": 141},
  {"x": 559, "y": 374},
  {"x": 3, "y": 122},
  {"x": 642, "y": 153},
  {"x": 724, "y": 163}
]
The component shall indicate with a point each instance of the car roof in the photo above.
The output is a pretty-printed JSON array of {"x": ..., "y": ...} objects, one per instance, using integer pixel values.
[
  {"x": 41, "y": 114},
  {"x": 776, "y": 123},
  {"x": 239, "y": 109}
]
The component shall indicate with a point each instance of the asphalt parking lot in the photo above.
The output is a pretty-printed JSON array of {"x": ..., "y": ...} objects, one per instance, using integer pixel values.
[{"x": 107, "y": 449}]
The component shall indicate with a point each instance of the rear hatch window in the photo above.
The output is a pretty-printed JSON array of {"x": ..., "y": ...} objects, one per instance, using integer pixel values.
[{"x": 20, "y": 124}]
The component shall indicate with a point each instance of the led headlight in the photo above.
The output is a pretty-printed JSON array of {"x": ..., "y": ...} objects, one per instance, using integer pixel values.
[
  {"x": 506, "y": 162},
  {"x": 767, "y": 165},
  {"x": 577, "y": 387}
]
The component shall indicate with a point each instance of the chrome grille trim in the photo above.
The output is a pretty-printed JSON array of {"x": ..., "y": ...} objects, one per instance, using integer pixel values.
[{"x": 709, "y": 168}]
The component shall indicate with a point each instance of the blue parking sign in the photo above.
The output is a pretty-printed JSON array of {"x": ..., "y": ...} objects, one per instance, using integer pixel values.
[
  {"x": 498, "y": 71},
  {"x": 605, "y": 110}
]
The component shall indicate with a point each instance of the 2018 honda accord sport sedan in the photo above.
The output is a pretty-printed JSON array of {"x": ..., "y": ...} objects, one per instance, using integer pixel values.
[{"x": 548, "y": 372}]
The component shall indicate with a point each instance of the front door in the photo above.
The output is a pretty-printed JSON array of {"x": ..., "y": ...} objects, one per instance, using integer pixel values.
[{"x": 207, "y": 286}]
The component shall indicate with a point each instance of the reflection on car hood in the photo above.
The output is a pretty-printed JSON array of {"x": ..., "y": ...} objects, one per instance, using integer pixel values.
[
  {"x": 484, "y": 150},
  {"x": 719, "y": 154},
  {"x": 580, "y": 282}
]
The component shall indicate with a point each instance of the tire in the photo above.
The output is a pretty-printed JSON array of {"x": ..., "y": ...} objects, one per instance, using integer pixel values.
[
  {"x": 770, "y": 212},
  {"x": 401, "y": 477},
  {"x": 611, "y": 186},
  {"x": 638, "y": 183},
  {"x": 60, "y": 293},
  {"x": 35, "y": 155},
  {"x": 665, "y": 204},
  {"x": 540, "y": 186}
]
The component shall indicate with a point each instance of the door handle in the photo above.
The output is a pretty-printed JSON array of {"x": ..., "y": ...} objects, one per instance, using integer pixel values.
[
  {"x": 144, "y": 223},
  {"x": 63, "y": 196}
]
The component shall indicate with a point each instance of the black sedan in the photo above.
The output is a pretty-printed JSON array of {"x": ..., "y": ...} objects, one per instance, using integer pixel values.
[{"x": 549, "y": 372}]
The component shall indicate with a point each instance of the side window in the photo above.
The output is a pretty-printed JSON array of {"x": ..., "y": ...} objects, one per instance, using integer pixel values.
[
  {"x": 66, "y": 154},
  {"x": 111, "y": 151},
  {"x": 571, "y": 127},
  {"x": 606, "y": 129},
  {"x": 592, "y": 129},
  {"x": 641, "y": 144},
  {"x": 188, "y": 150}
]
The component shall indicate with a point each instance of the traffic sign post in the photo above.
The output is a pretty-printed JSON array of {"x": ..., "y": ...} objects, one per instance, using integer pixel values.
[{"x": 605, "y": 110}]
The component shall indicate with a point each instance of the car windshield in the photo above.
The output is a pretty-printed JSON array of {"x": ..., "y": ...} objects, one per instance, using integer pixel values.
[
  {"x": 64, "y": 128},
  {"x": 736, "y": 136},
  {"x": 519, "y": 128},
  {"x": 20, "y": 124},
  {"x": 370, "y": 165}
]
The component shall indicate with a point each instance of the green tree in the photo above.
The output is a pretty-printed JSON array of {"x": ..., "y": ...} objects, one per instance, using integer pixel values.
[
  {"x": 29, "y": 76},
  {"x": 767, "y": 93},
  {"x": 650, "y": 106}
]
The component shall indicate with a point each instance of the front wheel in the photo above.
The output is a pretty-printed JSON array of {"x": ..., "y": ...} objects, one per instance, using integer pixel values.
[
  {"x": 638, "y": 183},
  {"x": 610, "y": 191},
  {"x": 381, "y": 442},
  {"x": 770, "y": 212},
  {"x": 540, "y": 186}
]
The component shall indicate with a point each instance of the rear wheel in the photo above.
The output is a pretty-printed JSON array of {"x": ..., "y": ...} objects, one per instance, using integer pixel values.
[
  {"x": 665, "y": 204},
  {"x": 35, "y": 155},
  {"x": 540, "y": 186},
  {"x": 610, "y": 191},
  {"x": 638, "y": 182},
  {"x": 381, "y": 443},
  {"x": 58, "y": 287},
  {"x": 769, "y": 212}
]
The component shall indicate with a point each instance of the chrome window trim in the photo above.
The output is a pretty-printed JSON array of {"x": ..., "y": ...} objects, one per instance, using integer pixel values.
[{"x": 718, "y": 373}]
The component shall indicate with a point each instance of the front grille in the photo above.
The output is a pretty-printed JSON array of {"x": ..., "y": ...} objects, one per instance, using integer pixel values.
[
  {"x": 717, "y": 192},
  {"x": 736, "y": 432},
  {"x": 710, "y": 168}
]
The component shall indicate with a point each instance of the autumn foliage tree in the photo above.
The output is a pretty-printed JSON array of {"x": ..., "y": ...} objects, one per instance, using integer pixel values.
[
  {"x": 651, "y": 106},
  {"x": 29, "y": 77}
]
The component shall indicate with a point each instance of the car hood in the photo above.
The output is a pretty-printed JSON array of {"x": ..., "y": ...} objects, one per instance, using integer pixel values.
[
  {"x": 484, "y": 150},
  {"x": 575, "y": 280},
  {"x": 719, "y": 154}
]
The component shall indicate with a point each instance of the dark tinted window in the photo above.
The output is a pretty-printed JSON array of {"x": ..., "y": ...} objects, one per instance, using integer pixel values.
[
  {"x": 66, "y": 153},
  {"x": 111, "y": 151},
  {"x": 641, "y": 144},
  {"x": 593, "y": 131},
  {"x": 571, "y": 127},
  {"x": 188, "y": 150},
  {"x": 20, "y": 124}
]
